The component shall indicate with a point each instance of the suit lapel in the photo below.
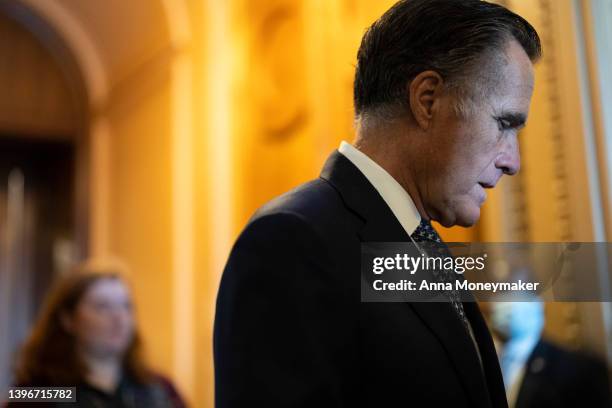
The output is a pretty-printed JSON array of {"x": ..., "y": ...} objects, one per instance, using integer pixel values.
[
  {"x": 380, "y": 225},
  {"x": 493, "y": 374}
]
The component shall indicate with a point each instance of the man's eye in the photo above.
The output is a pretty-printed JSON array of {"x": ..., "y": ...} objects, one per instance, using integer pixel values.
[{"x": 504, "y": 124}]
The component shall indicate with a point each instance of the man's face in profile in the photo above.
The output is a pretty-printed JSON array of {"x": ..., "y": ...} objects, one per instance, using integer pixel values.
[{"x": 470, "y": 154}]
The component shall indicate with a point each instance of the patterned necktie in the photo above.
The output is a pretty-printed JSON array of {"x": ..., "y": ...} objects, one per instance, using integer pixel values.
[{"x": 426, "y": 233}]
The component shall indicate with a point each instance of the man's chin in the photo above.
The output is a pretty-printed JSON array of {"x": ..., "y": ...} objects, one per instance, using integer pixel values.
[
  {"x": 468, "y": 218},
  {"x": 463, "y": 211},
  {"x": 464, "y": 217}
]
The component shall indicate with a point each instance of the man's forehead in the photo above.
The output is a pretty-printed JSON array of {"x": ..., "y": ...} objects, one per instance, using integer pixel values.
[
  {"x": 518, "y": 72},
  {"x": 514, "y": 88},
  {"x": 512, "y": 105}
]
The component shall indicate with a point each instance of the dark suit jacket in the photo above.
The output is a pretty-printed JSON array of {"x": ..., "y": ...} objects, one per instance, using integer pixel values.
[
  {"x": 559, "y": 378},
  {"x": 291, "y": 331}
]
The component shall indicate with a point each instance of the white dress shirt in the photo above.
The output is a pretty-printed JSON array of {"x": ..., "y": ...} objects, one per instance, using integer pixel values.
[{"x": 398, "y": 200}]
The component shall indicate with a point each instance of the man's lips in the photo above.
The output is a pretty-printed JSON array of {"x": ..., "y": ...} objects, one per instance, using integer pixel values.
[{"x": 488, "y": 184}]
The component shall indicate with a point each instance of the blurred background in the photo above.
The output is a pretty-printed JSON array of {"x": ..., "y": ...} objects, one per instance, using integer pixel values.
[{"x": 152, "y": 129}]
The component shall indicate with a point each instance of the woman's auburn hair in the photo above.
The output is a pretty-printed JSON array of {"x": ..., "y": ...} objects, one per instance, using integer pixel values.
[{"x": 49, "y": 355}]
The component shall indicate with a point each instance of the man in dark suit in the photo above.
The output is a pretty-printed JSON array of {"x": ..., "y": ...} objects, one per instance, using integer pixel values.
[
  {"x": 555, "y": 377},
  {"x": 441, "y": 89},
  {"x": 538, "y": 373}
]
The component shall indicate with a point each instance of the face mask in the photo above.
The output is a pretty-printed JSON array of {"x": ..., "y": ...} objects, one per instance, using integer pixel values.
[{"x": 516, "y": 320}]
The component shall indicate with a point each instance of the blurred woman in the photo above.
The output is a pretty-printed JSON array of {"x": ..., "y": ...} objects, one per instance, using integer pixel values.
[{"x": 86, "y": 337}]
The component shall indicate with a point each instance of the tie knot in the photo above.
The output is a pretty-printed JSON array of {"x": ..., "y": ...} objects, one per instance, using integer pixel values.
[{"x": 425, "y": 232}]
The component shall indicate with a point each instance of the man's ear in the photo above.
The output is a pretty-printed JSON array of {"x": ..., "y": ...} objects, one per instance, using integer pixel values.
[{"x": 423, "y": 91}]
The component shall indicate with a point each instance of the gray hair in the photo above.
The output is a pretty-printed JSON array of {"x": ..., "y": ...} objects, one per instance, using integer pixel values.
[{"x": 462, "y": 40}]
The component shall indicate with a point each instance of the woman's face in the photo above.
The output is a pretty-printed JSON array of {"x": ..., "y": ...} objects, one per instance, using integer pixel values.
[{"x": 103, "y": 321}]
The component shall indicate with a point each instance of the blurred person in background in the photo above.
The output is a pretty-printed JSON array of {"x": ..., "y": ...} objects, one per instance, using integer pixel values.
[
  {"x": 538, "y": 373},
  {"x": 86, "y": 337}
]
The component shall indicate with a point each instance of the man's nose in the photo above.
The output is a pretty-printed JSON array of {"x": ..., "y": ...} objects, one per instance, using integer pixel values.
[{"x": 509, "y": 160}]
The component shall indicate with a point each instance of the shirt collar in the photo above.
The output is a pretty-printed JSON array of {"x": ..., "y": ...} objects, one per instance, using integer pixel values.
[{"x": 394, "y": 195}]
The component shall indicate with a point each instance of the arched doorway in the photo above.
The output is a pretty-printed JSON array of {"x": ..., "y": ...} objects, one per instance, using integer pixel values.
[
  {"x": 132, "y": 190},
  {"x": 43, "y": 171}
]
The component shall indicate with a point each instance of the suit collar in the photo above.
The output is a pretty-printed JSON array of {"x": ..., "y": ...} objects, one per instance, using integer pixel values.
[
  {"x": 358, "y": 194},
  {"x": 354, "y": 188},
  {"x": 392, "y": 192}
]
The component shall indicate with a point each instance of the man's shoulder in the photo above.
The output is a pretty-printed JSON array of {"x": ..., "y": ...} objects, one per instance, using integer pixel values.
[
  {"x": 314, "y": 208},
  {"x": 314, "y": 201}
]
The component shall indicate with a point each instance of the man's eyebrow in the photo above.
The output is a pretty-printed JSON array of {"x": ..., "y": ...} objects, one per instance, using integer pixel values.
[{"x": 516, "y": 119}]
